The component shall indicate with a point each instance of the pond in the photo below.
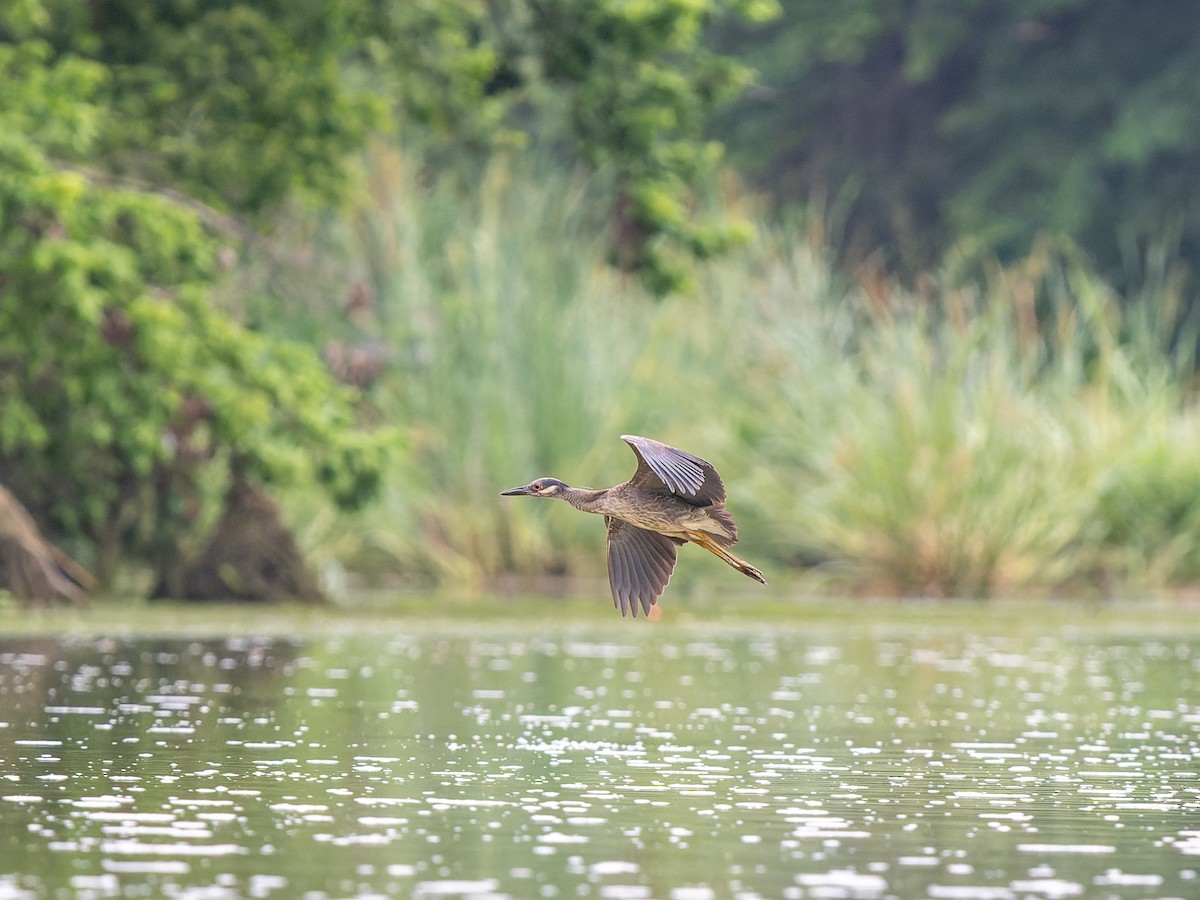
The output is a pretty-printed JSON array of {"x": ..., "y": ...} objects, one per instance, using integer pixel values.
[{"x": 959, "y": 756}]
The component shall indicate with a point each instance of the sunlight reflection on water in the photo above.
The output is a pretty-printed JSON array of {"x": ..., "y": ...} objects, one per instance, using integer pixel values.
[{"x": 607, "y": 764}]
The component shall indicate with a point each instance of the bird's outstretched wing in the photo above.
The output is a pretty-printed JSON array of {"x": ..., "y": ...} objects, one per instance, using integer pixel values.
[
  {"x": 665, "y": 468},
  {"x": 640, "y": 564}
]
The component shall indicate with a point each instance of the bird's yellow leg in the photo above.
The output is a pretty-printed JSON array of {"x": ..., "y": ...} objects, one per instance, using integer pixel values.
[{"x": 703, "y": 540}]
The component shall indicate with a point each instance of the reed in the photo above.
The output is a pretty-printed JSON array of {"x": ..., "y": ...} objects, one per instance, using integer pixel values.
[{"x": 1020, "y": 433}]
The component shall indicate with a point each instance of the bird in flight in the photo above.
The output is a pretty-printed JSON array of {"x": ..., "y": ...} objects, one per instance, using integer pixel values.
[{"x": 673, "y": 498}]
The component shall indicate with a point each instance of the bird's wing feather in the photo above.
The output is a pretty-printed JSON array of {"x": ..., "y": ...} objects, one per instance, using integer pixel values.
[
  {"x": 661, "y": 467},
  {"x": 640, "y": 564}
]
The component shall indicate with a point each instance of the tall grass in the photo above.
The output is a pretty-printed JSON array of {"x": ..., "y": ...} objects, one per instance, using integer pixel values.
[
  {"x": 1029, "y": 434},
  {"x": 515, "y": 352},
  {"x": 983, "y": 440}
]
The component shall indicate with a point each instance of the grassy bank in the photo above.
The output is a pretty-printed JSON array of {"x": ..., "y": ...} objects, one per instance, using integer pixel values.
[
  {"x": 117, "y": 618},
  {"x": 1026, "y": 433}
]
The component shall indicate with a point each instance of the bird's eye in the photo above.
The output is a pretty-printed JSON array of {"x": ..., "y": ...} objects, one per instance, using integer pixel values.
[{"x": 537, "y": 486}]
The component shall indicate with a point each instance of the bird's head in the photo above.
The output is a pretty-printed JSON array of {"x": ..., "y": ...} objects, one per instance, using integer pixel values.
[{"x": 542, "y": 487}]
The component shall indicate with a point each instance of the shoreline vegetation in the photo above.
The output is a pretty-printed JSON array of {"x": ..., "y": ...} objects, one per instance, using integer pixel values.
[
  {"x": 112, "y": 618},
  {"x": 1021, "y": 431},
  {"x": 280, "y": 323}
]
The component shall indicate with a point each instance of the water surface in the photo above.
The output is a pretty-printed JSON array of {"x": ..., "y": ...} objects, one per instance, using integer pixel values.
[{"x": 624, "y": 760}]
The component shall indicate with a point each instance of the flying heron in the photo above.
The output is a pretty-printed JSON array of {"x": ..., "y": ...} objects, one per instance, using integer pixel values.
[{"x": 673, "y": 498}]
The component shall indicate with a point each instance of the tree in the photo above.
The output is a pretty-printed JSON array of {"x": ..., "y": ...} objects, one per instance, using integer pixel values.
[
  {"x": 141, "y": 145},
  {"x": 974, "y": 127},
  {"x": 641, "y": 89},
  {"x": 122, "y": 388},
  {"x": 628, "y": 87}
]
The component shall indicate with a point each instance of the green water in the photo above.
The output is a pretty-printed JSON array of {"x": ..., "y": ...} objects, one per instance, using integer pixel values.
[{"x": 973, "y": 755}]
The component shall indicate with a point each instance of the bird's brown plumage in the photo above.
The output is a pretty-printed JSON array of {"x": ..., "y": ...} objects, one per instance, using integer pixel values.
[{"x": 673, "y": 498}]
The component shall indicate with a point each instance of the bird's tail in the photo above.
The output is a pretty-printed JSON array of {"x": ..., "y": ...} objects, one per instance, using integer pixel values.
[{"x": 706, "y": 541}]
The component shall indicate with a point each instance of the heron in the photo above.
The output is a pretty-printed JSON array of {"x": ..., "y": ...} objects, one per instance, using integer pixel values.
[{"x": 674, "y": 498}]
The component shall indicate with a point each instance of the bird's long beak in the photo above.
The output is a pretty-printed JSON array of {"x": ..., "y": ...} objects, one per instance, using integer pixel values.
[{"x": 517, "y": 491}]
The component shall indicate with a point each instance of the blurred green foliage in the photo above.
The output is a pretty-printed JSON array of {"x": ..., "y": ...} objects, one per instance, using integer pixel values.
[
  {"x": 640, "y": 89},
  {"x": 971, "y": 128},
  {"x": 239, "y": 105},
  {"x": 143, "y": 147},
  {"x": 186, "y": 209},
  {"x": 124, "y": 392}
]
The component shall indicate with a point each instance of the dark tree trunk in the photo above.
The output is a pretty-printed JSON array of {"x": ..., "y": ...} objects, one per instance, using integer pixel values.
[
  {"x": 34, "y": 570},
  {"x": 251, "y": 556}
]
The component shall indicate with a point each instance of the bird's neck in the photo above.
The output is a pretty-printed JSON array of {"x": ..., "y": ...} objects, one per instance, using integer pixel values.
[{"x": 584, "y": 499}]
